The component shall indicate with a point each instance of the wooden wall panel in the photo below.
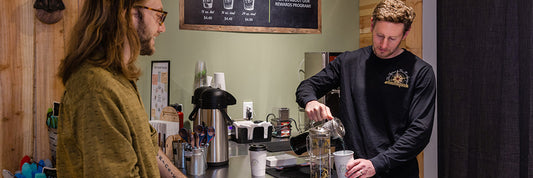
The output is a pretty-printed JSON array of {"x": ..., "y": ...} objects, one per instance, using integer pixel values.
[
  {"x": 413, "y": 42},
  {"x": 365, "y": 13},
  {"x": 49, "y": 50},
  {"x": 16, "y": 81},
  {"x": 30, "y": 52}
]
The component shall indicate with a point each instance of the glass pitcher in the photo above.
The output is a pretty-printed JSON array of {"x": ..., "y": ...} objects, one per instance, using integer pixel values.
[
  {"x": 334, "y": 126},
  {"x": 299, "y": 143}
]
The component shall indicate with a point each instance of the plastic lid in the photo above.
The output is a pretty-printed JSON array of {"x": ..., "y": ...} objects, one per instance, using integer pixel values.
[{"x": 257, "y": 147}]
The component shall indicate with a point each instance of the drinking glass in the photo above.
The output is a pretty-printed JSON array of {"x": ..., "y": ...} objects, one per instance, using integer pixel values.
[{"x": 200, "y": 75}]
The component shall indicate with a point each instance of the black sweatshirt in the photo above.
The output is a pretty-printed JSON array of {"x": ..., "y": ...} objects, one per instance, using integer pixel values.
[{"x": 386, "y": 105}]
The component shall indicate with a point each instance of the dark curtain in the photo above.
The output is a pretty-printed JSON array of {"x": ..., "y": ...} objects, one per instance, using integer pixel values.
[{"x": 485, "y": 88}]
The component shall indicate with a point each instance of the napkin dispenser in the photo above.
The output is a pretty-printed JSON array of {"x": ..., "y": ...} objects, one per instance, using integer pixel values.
[{"x": 248, "y": 131}]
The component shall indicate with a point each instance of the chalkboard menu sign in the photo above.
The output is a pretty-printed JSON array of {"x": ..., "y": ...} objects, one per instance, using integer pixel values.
[{"x": 276, "y": 16}]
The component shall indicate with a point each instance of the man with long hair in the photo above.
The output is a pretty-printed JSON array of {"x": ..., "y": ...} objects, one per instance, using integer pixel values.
[
  {"x": 104, "y": 129},
  {"x": 387, "y": 98}
]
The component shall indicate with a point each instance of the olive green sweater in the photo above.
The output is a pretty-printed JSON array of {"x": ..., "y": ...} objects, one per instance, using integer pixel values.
[{"x": 103, "y": 128}]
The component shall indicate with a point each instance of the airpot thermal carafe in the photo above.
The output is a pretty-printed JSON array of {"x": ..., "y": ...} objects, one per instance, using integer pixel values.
[{"x": 210, "y": 110}]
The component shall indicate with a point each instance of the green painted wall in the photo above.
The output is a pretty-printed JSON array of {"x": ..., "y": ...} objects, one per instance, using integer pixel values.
[{"x": 259, "y": 67}]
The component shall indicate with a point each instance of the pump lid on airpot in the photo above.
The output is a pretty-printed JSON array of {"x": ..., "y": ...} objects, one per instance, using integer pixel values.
[
  {"x": 198, "y": 94},
  {"x": 214, "y": 98}
]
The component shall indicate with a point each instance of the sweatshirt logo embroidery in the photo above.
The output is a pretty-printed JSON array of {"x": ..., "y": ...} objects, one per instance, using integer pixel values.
[{"x": 398, "y": 78}]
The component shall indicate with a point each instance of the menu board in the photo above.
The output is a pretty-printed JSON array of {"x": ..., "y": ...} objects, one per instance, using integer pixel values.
[{"x": 277, "y": 16}]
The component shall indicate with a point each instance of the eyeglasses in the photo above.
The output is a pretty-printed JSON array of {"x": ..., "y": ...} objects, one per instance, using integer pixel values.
[{"x": 163, "y": 13}]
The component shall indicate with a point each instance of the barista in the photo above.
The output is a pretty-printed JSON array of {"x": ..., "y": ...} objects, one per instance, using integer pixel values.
[{"x": 387, "y": 97}]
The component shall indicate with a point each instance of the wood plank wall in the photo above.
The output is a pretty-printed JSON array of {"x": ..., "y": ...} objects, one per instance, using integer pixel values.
[
  {"x": 16, "y": 81},
  {"x": 30, "y": 52},
  {"x": 413, "y": 42}
]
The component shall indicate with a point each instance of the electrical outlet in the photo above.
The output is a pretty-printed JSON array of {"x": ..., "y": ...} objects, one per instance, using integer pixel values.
[{"x": 247, "y": 106}]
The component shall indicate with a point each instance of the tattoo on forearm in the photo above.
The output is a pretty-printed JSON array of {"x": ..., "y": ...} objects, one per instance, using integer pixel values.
[{"x": 167, "y": 166}]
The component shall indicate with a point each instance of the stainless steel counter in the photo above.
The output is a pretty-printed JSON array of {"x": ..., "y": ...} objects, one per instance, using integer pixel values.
[{"x": 239, "y": 162}]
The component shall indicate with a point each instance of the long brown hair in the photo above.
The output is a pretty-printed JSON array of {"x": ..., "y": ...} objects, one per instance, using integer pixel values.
[{"x": 103, "y": 27}]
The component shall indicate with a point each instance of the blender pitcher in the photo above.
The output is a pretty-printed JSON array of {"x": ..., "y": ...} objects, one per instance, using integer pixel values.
[{"x": 319, "y": 152}]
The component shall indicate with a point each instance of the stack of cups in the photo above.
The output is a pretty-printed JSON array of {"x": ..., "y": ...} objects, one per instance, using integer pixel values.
[
  {"x": 342, "y": 158},
  {"x": 219, "y": 82},
  {"x": 258, "y": 159}
]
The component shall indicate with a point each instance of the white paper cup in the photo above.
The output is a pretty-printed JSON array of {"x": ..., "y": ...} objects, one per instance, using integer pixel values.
[
  {"x": 342, "y": 158},
  {"x": 258, "y": 159},
  {"x": 219, "y": 81},
  {"x": 209, "y": 80}
]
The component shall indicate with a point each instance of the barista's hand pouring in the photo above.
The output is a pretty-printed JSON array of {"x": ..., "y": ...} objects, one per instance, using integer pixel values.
[
  {"x": 317, "y": 111},
  {"x": 359, "y": 168}
]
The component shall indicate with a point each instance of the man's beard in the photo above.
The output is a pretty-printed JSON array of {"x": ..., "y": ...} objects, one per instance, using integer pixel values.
[{"x": 145, "y": 38}]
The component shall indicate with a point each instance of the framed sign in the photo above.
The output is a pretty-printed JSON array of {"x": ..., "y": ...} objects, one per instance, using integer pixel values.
[
  {"x": 274, "y": 16},
  {"x": 160, "y": 88}
]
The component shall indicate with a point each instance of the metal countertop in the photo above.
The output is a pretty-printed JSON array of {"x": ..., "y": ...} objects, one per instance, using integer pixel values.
[{"x": 239, "y": 162}]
